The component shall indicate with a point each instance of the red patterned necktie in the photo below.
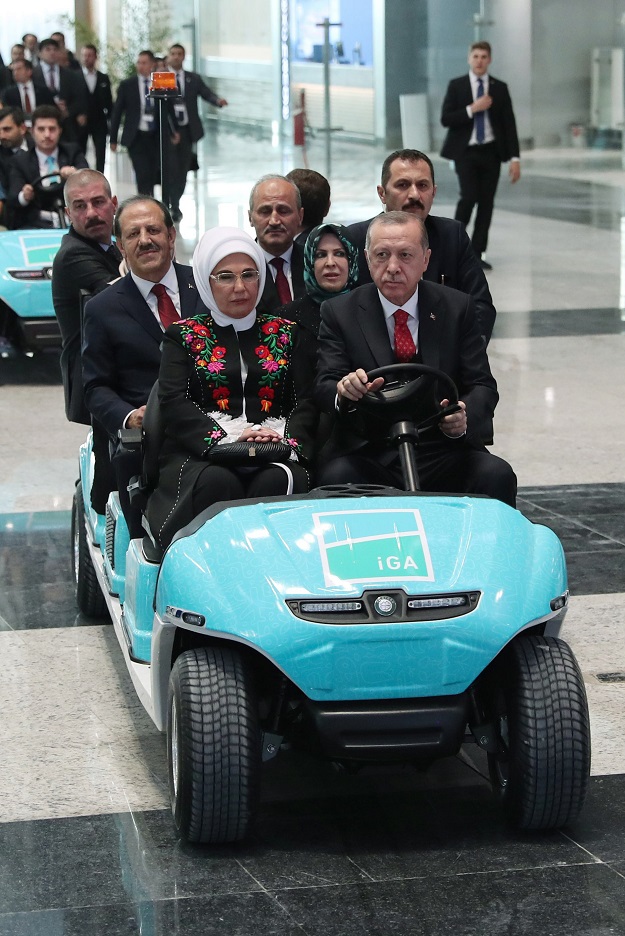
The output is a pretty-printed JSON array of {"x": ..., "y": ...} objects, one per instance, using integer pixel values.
[
  {"x": 282, "y": 283},
  {"x": 28, "y": 107},
  {"x": 405, "y": 348},
  {"x": 166, "y": 309}
]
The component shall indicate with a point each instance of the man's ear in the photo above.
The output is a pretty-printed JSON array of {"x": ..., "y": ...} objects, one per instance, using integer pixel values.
[{"x": 381, "y": 194}]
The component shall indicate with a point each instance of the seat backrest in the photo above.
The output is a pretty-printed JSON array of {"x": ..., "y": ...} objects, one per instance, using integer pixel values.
[{"x": 153, "y": 436}]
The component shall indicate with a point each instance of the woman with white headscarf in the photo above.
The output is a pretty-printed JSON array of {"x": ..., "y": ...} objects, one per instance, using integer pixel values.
[{"x": 229, "y": 375}]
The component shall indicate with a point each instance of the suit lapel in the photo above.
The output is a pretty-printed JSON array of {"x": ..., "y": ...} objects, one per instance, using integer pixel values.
[
  {"x": 135, "y": 305},
  {"x": 190, "y": 302},
  {"x": 370, "y": 318},
  {"x": 430, "y": 323}
]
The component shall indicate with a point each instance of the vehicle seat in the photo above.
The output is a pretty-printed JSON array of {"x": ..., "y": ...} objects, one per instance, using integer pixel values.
[{"x": 148, "y": 440}]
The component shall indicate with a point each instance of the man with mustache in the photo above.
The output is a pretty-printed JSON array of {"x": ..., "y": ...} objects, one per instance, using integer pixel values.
[
  {"x": 87, "y": 260},
  {"x": 124, "y": 327},
  {"x": 407, "y": 184},
  {"x": 276, "y": 215}
]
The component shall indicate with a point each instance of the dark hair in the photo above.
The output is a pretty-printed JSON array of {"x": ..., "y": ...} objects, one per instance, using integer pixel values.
[
  {"x": 90, "y": 45},
  {"x": 18, "y": 45},
  {"x": 146, "y": 52},
  {"x": 22, "y": 61},
  {"x": 398, "y": 218},
  {"x": 47, "y": 112},
  {"x": 57, "y": 32},
  {"x": 482, "y": 44},
  {"x": 135, "y": 200},
  {"x": 314, "y": 190},
  {"x": 14, "y": 112},
  {"x": 178, "y": 45},
  {"x": 408, "y": 155},
  {"x": 49, "y": 42}
]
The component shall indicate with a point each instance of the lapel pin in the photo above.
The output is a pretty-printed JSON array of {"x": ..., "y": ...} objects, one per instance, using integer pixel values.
[
  {"x": 191, "y": 286},
  {"x": 433, "y": 316}
]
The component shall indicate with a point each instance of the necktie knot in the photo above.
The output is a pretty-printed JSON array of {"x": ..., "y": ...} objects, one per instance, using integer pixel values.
[
  {"x": 405, "y": 348},
  {"x": 400, "y": 317},
  {"x": 159, "y": 290},
  {"x": 278, "y": 263}
]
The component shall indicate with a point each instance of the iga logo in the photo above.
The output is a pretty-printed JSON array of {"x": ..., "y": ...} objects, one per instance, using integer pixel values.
[{"x": 373, "y": 546}]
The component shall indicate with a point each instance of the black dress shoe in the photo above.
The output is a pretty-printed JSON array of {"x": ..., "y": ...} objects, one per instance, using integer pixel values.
[
  {"x": 486, "y": 265},
  {"x": 176, "y": 215}
]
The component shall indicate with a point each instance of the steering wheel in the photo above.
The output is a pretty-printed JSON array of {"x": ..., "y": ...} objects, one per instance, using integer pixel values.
[
  {"x": 53, "y": 189},
  {"x": 411, "y": 393},
  {"x": 50, "y": 197}
]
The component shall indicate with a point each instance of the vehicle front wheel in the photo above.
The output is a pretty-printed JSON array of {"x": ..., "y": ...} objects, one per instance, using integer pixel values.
[
  {"x": 539, "y": 704},
  {"x": 213, "y": 746},
  {"x": 89, "y": 597}
]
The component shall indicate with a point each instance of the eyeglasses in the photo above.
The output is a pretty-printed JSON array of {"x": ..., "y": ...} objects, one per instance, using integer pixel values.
[{"x": 247, "y": 277}]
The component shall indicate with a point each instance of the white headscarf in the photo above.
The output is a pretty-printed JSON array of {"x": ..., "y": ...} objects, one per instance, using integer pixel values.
[{"x": 212, "y": 247}]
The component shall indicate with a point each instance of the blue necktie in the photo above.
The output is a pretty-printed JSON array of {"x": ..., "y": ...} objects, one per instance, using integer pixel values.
[{"x": 479, "y": 117}]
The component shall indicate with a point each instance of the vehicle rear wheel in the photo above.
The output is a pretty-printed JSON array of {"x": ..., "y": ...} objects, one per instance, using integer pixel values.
[
  {"x": 540, "y": 708},
  {"x": 89, "y": 597},
  {"x": 213, "y": 746}
]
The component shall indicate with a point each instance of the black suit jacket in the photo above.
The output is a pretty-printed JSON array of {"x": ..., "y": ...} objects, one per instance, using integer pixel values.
[
  {"x": 72, "y": 90},
  {"x": 453, "y": 263},
  {"x": 353, "y": 334},
  {"x": 460, "y": 125},
  {"x": 121, "y": 350},
  {"x": 79, "y": 264},
  {"x": 11, "y": 96},
  {"x": 99, "y": 103},
  {"x": 25, "y": 169},
  {"x": 194, "y": 88},
  {"x": 270, "y": 301},
  {"x": 128, "y": 105}
]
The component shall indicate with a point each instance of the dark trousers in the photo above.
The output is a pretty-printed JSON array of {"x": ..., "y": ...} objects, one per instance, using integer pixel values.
[
  {"x": 478, "y": 176},
  {"x": 145, "y": 158},
  {"x": 453, "y": 468},
  {"x": 99, "y": 136},
  {"x": 180, "y": 156},
  {"x": 217, "y": 483}
]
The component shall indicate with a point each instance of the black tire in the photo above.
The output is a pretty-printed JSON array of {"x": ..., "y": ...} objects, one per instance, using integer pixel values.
[
  {"x": 539, "y": 703},
  {"x": 213, "y": 746},
  {"x": 89, "y": 597}
]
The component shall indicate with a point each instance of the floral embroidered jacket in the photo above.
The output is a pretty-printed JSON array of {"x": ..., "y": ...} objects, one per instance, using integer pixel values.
[{"x": 201, "y": 374}]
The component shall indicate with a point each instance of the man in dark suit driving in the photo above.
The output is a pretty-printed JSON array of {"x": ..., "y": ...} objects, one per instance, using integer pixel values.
[
  {"x": 402, "y": 318},
  {"x": 49, "y": 160},
  {"x": 407, "y": 184}
]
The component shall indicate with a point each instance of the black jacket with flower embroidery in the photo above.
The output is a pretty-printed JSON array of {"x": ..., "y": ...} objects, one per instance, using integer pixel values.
[{"x": 201, "y": 374}]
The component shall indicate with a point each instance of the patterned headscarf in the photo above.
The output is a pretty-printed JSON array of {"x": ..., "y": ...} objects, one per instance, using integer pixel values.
[
  {"x": 313, "y": 288},
  {"x": 212, "y": 247}
]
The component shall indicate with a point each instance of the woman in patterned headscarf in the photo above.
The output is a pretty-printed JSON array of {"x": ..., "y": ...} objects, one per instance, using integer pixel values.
[
  {"x": 228, "y": 375},
  {"x": 330, "y": 268}
]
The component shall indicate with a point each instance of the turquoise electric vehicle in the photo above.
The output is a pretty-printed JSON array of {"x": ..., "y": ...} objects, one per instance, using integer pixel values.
[
  {"x": 364, "y": 623},
  {"x": 27, "y": 319}
]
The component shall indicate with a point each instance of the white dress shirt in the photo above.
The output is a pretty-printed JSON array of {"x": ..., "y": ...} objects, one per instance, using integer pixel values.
[{"x": 489, "y": 136}]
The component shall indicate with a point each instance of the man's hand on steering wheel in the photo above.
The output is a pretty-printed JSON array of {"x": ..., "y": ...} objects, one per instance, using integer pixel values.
[
  {"x": 354, "y": 386},
  {"x": 454, "y": 425}
]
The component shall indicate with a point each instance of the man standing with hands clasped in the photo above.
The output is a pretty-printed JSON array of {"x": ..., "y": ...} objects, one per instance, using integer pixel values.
[{"x": 481, "y": 134}]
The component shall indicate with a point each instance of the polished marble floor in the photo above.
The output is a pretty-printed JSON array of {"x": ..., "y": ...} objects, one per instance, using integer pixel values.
[{"x": 86, "y": 841}]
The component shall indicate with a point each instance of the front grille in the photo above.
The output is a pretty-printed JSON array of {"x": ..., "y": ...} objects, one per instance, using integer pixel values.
[{"x": 387, "y": 606}]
